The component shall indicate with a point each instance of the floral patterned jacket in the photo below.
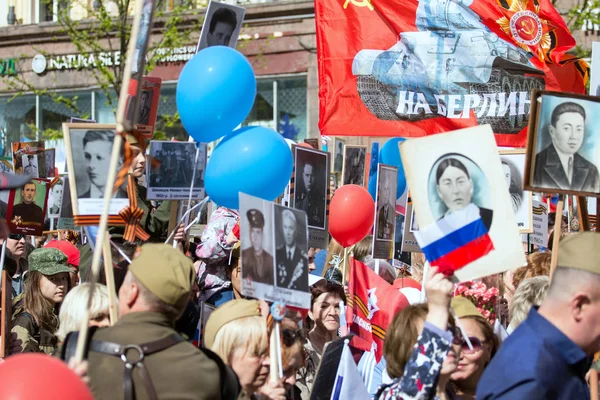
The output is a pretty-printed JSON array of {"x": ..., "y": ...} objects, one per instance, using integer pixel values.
[
  {"x": 214, "y": 253},
  {"x": 423, "y": 368}
]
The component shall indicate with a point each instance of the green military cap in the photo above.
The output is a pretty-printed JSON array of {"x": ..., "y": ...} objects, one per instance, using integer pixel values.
[
  {"x": 48, "y": 261},
  {"x": 463, "y": 307},
  {"x": 575, "y": 251},
  {"x": 230, "y": 311},
  {"x": 256, "y": 218},
  {"x": 166, "y": 272}
]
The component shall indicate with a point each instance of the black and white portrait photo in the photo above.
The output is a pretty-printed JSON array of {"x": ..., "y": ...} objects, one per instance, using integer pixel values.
[
  {"x": 311, "y": 182},
  {"x": 89, "y": 148},
  {"x": 291, "y": 257},
  {"x": 65, "y": 220},
  {"x": 458, "y": 185},
  {"x": 564, "y": 149},
  {"x": 338, "y": 155},
  {"x": 55, "y": 199},
  {"x": 385, "y": 216},
  {"x": 409, "y": 242},
  {"x": 513, "y": 165},
  {"x": 49, "y": 164},
  {"x": 274, "y": 252},
  {"x": 30, "y": 165},
  {"x": 355, "y": 158},
  {"x": 221, "y": 26},
  {"x": 171, "y": 175}
]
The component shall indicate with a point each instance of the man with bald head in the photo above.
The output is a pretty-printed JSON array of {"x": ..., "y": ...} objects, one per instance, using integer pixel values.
[{"x": 549, "y": 354}]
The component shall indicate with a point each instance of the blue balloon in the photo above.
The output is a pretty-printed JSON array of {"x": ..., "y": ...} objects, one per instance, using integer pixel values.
[
  {"x": 215, "y": 92},
  {"x": 390, "y": 155},
  {"x": 372, "y": 187},
  {"x": 252, "y": 160}
]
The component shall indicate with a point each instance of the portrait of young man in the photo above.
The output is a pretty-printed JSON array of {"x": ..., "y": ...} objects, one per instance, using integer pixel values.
[
  {"x": 27, "y": 209},
  {"x": 560, "y": 165},
  {"x": 257, "y": 263},
  {"x": 222, "y": 25}
]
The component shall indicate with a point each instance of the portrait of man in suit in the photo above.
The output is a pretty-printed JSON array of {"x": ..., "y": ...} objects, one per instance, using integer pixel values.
[
  {"x": 560, "y": 165},
  {"x": 310, "y": 178},
  {"x": 27, "y": 209},
  {"x": 257, "y": 263},
  {"x": 291, "y": 255}
]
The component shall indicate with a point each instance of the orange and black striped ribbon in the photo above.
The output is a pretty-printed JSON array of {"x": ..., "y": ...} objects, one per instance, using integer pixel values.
[{"x": 132, "y": 215}]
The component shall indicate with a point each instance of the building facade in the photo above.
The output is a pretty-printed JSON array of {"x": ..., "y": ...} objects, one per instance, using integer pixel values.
[{"x": 277, "y": 38}]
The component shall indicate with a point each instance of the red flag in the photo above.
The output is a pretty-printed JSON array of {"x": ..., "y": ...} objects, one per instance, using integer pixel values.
[
  {"x": 371, "y": 306},
  {"x": 421, "y": 67}
]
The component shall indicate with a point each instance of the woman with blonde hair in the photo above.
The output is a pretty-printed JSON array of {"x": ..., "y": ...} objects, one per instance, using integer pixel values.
[
  {"x": 237, "y": 332},
  {"x": 531, "y": 292},
  {"x": 73, "y": 309}
]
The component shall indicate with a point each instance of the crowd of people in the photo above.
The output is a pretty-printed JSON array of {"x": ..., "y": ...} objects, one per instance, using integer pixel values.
[{"x": 445, "y": 347}]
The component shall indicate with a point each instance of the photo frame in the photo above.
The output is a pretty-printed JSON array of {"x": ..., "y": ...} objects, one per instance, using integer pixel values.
[
  {"x": 26, "y": 210},
  {"x": 310, "y": 191},
  {"x": 409, "y": 242},
  {"x": 129, "y": 97},
  {"x": 513, "y": 164},
  {"x": 595, "y": 70},
  {"x": 558, "y": 161},
  {"x": 65, "y": 219},
  {"x": 384, "y": 226},
  {"x": 148, "y": 107},
  {"x": 222, "y": 25},
  {"x": 313, "y": 142},
  {"x": 337, "y": 155},
  {"x": 88, "y": 149},
  {"x": 171, "y": 177},
  {"x": 24, "y": 148},
  {"x": 274, "y": 253},
  {"x": 354, "y": 170},
  {"x": 467, "y": 159}
]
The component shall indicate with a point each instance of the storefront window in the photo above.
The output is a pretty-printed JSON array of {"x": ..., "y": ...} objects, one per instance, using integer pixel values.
[
  {"x": 17, "y": 121},
  {"x": 105, "y": 113},
  {"x": 53, "y": 112},
  {"x": 166, "y": 128}
]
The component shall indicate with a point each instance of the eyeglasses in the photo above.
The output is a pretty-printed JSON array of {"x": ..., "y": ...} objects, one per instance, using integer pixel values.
[
  {"x": 475, "y": 342},
  {"x": 16, "y": 236}
]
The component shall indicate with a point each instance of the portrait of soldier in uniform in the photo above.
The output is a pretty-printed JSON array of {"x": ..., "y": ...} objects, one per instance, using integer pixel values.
[
  {"x": 30, "y": 165},
  {"x": 354, "y": 165},
  {"x": 257, "y": 264},
  {"x": 560, "y": 165},
  {"x": 386, "y": 211},
  {"x": 291, "y": 256},
  {"x": 311, "y": 186},
  {"x": 27, "y": 209}
]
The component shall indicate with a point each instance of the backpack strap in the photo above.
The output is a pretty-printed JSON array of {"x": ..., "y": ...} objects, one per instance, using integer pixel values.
[{"x": 230, "y": 384}]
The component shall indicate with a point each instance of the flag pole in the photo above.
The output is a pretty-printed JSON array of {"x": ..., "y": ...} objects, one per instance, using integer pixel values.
[{"x": 344, "y": 266}]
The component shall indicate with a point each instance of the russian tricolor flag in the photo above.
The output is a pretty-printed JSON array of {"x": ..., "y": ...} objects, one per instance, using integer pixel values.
[{"x": 456, "y": 240}]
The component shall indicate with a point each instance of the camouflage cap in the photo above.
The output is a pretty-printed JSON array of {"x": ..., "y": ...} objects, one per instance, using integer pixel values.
[
  {"x": 230, "y": 311},
  {"x": 48, "y": 261},
  {"x": 575, "y": 250},
  {"x": 166, "y": 272},
  {"x": 463, "y": 308}
]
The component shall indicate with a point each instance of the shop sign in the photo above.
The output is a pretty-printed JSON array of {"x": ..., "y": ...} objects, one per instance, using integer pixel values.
[{"x": 8, "y": 67}]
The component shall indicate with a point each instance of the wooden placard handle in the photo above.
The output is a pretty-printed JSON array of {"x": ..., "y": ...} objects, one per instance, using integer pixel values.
[
  {"x": 557, "y": 231},
  {"x": 6, "y": 304}
]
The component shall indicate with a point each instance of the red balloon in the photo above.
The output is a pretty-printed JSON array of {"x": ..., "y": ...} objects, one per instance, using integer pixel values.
[
  {"x": 406, "y": 283},
  {"x": 351, "y": 214},
  {"x": 39, "y": 376},
  {"x": 304, "y": 144}
]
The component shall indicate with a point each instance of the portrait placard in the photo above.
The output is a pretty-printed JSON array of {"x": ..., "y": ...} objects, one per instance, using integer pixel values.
[
  {"x": 595, "y": 70},
  {"x": 274, "y": 252},
  {"x": 55, "y": 198},
  {"x": 65, "y": 220},
  {"x": 26, "y": 209},
  {"x": 24, "y": 148},
  {"x": 313, "y": 142},
  {"x": 171, "y": 176},
  {"x": 222, "y": 25},
  {"x": 513, "y": 164},
  {"x": 45, "y": 163},
  {"x": 337, "y": 153},
  {"x": 88, "y": 148},
  {"x": 30, "y": 164},
  {"x": 309, "y": 191},
  {"x": 385, "y": 212},
  {"x": 148, "y": 108},
  {"x": 355, "y": 164},
  {"x": 563, "y": 144},
  {"x": 129, "y": 97},
  {"x": 409, "y": 242},
  {"x": 458, "y": 177},
  {"x": 539, "y": 236}
]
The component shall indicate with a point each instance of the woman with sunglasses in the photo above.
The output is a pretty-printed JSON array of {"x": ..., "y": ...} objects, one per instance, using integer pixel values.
[
  {"x": 472, "y": 362},
  {"x": 418, "y": 347},
  {"x": 17, "y": 260},
  {"x": 35, "y": 312}
]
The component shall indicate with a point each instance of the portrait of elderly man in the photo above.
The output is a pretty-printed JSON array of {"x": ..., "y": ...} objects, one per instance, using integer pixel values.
[
  {"x": 257, "y": 263},
  {"x": 27, "y": 209},
  {"x": 560, "y": 166},
  {"x": 291, "y": 256},
  {"x": 386, "y": 211}
]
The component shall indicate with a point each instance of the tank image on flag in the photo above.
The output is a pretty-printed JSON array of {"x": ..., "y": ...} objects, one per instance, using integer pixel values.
[{"x": 452, "y": 66}]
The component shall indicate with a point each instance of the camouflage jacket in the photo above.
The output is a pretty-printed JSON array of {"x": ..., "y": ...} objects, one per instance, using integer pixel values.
[{"x": 34, "y": 338}]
